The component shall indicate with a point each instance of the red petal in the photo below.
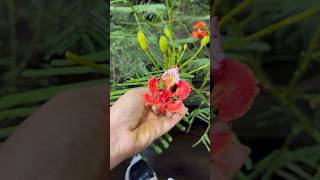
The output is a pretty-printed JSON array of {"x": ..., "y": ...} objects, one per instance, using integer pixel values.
[
  {"x": 198, "y": 25},
  {"x": 183, "y": 90},
  {"x": 149, "y": 99},
  {"x": 194, "y": 34},
  {"x": 174, "y": 107},
  {"x": 202, "y": 34},
  {"x": 153, "y": 84},
  {"x": 162, "y": 108},
  {"x": 235, "y": 88},
  {"x": 227, "y": 163},
  {"x": 220, "y": 141}
]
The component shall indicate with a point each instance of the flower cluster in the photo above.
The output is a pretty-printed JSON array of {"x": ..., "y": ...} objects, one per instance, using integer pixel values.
[
  {"x": 199, "y": 30},
  {"x": 167, "y": 92}
]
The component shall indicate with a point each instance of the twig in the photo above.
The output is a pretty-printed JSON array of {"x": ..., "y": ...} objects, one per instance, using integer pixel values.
[
  {"x": 288, "y": 21},
  {"x": 234, "y": 12}
]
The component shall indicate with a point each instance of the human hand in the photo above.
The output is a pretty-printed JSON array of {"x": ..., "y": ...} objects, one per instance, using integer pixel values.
[
  {"x": 134, "y": 125},
  {"x": 65, "y": 138}
]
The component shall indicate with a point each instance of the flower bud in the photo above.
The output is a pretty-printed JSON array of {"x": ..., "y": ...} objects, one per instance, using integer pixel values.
[
  {"x": 163, "y": 43},
  {"x": 205, "y": 41},
  {"x": 142, "y": 40},
  {"x": 168, "y": 32},
  {"x": 185, "y": 46}
]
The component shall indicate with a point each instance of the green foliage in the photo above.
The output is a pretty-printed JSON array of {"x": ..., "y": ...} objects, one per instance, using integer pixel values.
[
  {"x": 36, "y": 34},
  {"x": 173, "y": 21},
  {"x": 271, "y": 33}
]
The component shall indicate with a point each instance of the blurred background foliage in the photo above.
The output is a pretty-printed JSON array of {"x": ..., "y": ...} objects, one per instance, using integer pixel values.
[
  {"x": 280, "y": 41},
  {"x": 35, "y": 34},
  {"x": 131, "y": 68}
]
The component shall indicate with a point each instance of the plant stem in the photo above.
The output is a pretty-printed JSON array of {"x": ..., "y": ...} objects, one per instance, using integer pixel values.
[
  {"x": 80, "y": 60},
  {"x": 193, "y": 56},
  {"x": 288, "y": 104},
  {"x": 238, "y": 9},
  {"x": 273, "y": 27},
  {"x": 135, "y": 14},
  {"x": 306, "y": 58},
  {"x": 199, "y": 68},
  {"x": 152, "y": 59}
]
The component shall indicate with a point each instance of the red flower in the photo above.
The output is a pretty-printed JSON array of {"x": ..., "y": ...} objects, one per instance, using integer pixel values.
[
  {"x": 235, "y": 88},
  {"x": 199, "y": 30},
  {"x": 167, "y": 92},
  {"x": 220, "y": 141},
  {"x": 198, "y": 25}
]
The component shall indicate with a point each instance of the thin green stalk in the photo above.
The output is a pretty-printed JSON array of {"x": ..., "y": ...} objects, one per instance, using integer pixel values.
[
  {"x": 171, "y": 60},
  {"x": 152, "y": 59},
  {"x": 80, "y": 60},
  {"x": 288, "y": 104},
  {"x": 306, "y": 58},
  {"x": 168, "y": 11},
  {"x": 165, "y": 61},
  {"x": 238, "y": 9},
  {"x": 199, "y": 68},
  {"x": 287, "y": 21},
  {"x": 179, "y": 59},
  {"x": 135, "y": 14},
  {"x": 207, "y": 78},
  {"x": 193, "y": 56}
]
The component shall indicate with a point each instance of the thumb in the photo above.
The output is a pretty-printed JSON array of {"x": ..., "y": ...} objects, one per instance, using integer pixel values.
[{"x": 129, "y": 108}]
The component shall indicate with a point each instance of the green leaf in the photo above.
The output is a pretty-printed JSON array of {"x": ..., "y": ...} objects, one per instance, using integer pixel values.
[
  {"x": 41, "y": 94},
  {"x": 16, "y": 113},
  {"x": 154, "y": 8},
  {"x": 99, "y": 56},
  {"x": 63, "y": 71}
]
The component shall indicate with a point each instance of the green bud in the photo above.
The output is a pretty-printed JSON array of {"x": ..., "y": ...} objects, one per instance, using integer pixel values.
[
  {"x": 142, "y": 40},
  {"x": 205, "y": 41},
  {"x": 168, "y": 32},
  {"x": 185, "y": 46},
  {"x": 180, "y": 48},
  {"x": 163, "y": 43}
]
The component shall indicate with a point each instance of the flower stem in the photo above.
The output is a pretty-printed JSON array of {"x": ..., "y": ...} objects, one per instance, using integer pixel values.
[
  {"x": 80, "y": 60},
  {"x": 152, "y": 59},
  {"x": 194, "y": 56},
  {"x": 273, "y": 27},
  {"x": 234, "y": 12},
  {"x": 199, "y": 68},
  {"x": 306, "y": 59}
]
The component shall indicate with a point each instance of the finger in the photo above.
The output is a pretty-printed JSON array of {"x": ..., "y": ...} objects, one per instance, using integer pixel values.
[
  {"x": 129, "y": 108},
  {"x": 155, "y": 126},
  {"x": 173, "y": 120}
]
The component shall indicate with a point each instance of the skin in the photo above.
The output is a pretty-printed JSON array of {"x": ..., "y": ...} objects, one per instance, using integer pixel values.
[
  {"x": 67, "y": 137},
  {"x": 137, "y": 125},
  {"x": 64, "y": 139}
]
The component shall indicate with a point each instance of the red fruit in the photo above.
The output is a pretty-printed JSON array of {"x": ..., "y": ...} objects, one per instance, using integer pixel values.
[{"x": 235, "y": 88}]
